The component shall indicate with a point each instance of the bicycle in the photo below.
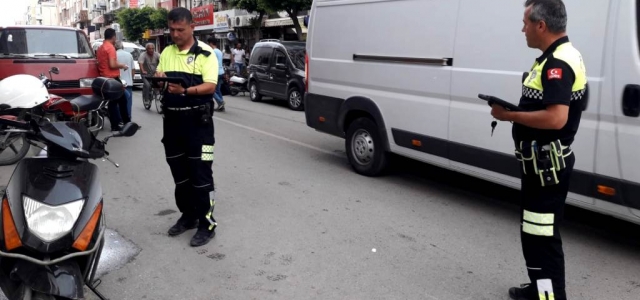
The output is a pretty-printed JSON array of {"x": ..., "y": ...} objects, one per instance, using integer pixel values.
[{"x": 156, "y": 95}]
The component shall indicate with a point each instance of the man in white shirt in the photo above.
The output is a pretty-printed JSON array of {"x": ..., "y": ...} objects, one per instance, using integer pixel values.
[
  {"x": 126, "y": 59},
  {"x": 238, "y": 58}
]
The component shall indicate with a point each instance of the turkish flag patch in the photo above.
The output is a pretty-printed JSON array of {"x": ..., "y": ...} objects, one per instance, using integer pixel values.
[{"x": 554, "y": 73}]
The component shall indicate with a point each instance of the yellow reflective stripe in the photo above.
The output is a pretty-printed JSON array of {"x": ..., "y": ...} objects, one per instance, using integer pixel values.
[
  {"x": 567, "y": 53},
  {"x": 544, "y": 219},
  {"x": 543, "y": 296},
  {"x": 207, "y": 149},
  {"x": 545, "y": 289},
  {"x": 207, "y": 157},
  {"x": 529, "y": 228},
  {"x": 174, "y": 60},
  {"x": 213, "y": 224}
]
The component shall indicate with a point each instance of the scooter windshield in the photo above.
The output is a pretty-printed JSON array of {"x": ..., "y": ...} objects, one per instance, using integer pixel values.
[{"x": 74, "y": 138}]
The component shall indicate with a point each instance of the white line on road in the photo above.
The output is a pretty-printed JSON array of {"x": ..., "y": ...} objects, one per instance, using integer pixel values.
[{"x": 278, "y": 137}]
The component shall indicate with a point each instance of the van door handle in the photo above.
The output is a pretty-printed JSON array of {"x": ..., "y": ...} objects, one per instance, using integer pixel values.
[{"x": 631, "y": 100}]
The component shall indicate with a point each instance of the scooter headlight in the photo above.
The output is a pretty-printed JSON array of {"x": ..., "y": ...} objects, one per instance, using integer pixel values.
[{"x": 51, "y": 222}]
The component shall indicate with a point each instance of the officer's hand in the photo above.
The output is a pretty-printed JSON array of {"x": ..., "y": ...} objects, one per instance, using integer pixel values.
[
  {"x": 160, "y": 74},
  {"x": 175, "y": 88},
  {"x": 500, "y": 113}
]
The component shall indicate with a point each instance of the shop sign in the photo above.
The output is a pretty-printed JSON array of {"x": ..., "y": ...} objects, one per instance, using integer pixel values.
[
  {"x": 222, "y": 21},
  {"x": 203, "y": 15}
]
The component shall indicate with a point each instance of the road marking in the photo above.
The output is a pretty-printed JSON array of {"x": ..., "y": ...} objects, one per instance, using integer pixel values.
[{"x": 278, "y": 137}]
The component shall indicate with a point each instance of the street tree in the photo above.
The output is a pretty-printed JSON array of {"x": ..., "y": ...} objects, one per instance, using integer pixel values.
[
  {"x": 135, "y": 21},
  {"x": 292, "y": 7}
]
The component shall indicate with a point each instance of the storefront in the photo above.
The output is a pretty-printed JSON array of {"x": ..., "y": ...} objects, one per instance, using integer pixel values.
[{"x": 283, "y": 29}]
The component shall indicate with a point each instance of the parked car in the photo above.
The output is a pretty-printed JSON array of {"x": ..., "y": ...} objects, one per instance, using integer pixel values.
[
  {"x": 135, "y": 51},
  {"x": 420, "y": 99},
  {"x": 31, "y": 50},
  {"x": 277, "y": 69}
]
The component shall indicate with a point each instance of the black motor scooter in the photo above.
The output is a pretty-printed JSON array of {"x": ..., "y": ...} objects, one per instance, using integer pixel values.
[{"x": 52, "y": 213}]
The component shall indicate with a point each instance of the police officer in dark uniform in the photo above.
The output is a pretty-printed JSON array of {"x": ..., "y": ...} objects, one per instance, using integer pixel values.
[
  {"x": 553, "y": 95},
  {"x": 188, "y": 125}
]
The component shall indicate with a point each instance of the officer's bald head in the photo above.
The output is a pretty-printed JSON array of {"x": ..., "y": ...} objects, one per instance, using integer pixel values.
[{"x": 552, "y": 12}]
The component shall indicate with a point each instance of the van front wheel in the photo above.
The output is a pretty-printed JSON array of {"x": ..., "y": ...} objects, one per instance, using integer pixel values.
[{"x": 364, "y": 148}]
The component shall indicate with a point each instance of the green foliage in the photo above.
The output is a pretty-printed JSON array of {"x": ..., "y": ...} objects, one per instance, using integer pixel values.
[
  {"x": 135, "y": 21},
  {"x": 248, "y": 5},
  {"x": 159, "y": 19}
]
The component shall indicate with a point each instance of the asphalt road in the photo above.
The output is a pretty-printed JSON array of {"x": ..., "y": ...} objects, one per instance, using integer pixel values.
[{"x": 295, "y": 222}]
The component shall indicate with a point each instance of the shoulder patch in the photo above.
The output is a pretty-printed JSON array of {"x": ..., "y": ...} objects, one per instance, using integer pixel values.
[{"x": 555, "y": 73}]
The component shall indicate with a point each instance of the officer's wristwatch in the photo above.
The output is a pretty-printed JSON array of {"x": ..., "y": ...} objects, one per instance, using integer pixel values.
[{"x": 184, "y": 93}]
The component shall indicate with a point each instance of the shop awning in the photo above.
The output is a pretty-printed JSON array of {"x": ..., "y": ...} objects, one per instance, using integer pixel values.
[{"x": 282, "y": 22}]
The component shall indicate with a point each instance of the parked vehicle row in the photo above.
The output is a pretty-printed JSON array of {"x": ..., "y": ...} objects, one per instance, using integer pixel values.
[{"x": 420, "y": 100}]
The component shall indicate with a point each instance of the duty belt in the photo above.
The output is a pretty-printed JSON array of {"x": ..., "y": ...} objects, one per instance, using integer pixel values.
[
  {"x": 186, "y": 108},
  {"x": 543, "y": 160}
]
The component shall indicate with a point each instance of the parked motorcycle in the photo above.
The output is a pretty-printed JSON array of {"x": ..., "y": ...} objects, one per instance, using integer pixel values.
[
  {"x": 238, "y": 84},
  {"x": 87, "y": 109},
  {"x": 53, "y": 220}
]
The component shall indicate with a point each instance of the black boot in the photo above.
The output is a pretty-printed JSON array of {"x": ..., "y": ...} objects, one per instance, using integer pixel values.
[
  {"x": 183, "y": 224},
  {"x": 524, "y": 292},
  {"x": 202, "y": 237}
]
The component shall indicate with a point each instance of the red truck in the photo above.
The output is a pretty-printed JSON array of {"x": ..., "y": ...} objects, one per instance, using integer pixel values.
[{"x": 35, "y": 50}]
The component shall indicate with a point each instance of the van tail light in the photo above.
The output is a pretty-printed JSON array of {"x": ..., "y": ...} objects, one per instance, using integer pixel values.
[{"x": 306, "y": 72}]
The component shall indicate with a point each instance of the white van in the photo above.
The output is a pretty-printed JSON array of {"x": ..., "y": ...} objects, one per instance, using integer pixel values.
[{"x": 404, "y": 76}]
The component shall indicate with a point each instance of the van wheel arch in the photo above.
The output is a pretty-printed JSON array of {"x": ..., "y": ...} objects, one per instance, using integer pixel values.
[{"x": 362, "y": 107}]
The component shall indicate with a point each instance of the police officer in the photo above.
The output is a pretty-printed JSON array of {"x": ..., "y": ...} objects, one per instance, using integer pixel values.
[
  {"x": 553, "y": 96},
  {"x": 188, "y": 125}
]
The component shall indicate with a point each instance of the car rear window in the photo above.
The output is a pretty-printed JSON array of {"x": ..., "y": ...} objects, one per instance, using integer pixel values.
[{"x": 39, "y": 43}]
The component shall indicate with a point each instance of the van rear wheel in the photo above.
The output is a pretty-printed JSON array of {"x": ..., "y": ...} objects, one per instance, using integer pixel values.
[{"x": 365, "y": 151}]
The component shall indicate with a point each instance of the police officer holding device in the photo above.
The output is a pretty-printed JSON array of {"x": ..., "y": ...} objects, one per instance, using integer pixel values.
[
  {"x": 190, "y": 72},
  {"x": 545, "y": 125}
]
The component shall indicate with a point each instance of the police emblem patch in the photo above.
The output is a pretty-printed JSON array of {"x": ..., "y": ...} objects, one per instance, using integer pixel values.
[{"x": 532, "y": 76}]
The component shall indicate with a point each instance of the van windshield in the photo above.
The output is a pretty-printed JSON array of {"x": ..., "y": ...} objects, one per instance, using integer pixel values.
[
  {"x": 297, "y": 54},
  {"x": 37, "y": 43}
]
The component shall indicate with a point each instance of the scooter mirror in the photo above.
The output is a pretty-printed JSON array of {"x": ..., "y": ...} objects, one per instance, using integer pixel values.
[{"x": 129, "y": 129}]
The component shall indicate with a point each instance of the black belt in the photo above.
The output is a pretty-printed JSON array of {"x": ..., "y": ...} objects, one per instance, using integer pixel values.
[{"x": 188, "y": 108}]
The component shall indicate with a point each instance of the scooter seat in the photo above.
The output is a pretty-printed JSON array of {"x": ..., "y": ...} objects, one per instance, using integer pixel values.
[{"x": 86, "y": 103}]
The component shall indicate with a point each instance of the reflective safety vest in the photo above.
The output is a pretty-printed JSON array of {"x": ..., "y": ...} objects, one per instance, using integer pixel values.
[{"x": 532, "y": 85}]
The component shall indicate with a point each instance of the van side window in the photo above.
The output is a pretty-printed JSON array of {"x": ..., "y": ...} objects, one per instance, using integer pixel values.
[
  {"x": 264, "y": 55},
  {"x": 280, "y": 58}
]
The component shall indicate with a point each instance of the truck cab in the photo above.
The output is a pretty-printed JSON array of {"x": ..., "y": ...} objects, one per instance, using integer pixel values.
[{"x": 34, "y": 50}]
